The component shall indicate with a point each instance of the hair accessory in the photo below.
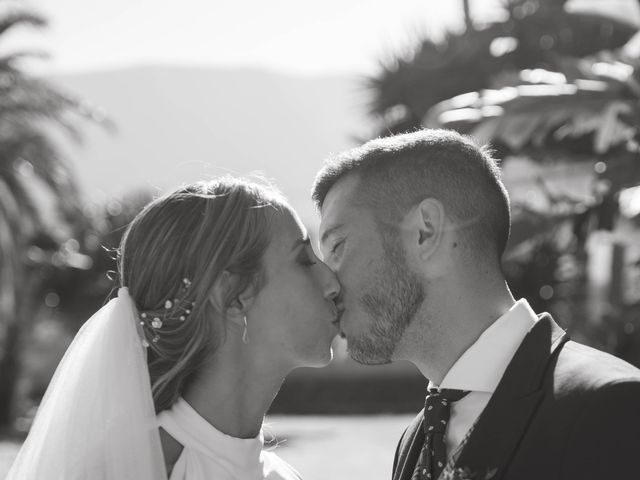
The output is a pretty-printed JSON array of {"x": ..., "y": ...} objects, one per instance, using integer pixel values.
[{"x": 173, "y": 309}]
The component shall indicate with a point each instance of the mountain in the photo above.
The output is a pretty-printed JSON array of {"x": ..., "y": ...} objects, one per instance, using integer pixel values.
[{"x": 179, "y": 124}]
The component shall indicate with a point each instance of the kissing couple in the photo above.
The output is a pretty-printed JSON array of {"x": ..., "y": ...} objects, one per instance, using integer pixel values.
[{"x": 221, "y": 296}]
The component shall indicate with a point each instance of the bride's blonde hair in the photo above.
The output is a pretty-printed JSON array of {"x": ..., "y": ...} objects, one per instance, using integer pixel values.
[{"x": 194, "y": 233}]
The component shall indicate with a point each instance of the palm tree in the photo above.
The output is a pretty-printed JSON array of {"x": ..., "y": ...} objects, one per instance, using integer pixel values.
[
  {"x": 536, "y": 34},
  {"x": 35, "y": 185}
]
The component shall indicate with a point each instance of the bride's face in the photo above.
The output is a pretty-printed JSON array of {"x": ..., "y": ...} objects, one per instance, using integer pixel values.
[{"x": 293, "y": 316}]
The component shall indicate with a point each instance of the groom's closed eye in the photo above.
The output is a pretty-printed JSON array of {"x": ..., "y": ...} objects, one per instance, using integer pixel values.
[{"x": 337, "y": 247}]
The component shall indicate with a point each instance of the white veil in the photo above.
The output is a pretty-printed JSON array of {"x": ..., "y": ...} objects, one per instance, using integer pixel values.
[{"x": 97, "y": 420}]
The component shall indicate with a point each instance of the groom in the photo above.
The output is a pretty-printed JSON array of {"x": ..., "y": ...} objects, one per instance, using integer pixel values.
[{"x": 414, "y": 225}]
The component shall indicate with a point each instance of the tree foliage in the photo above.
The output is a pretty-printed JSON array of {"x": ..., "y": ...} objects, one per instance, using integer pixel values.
[
  {"x": 40, "y": 205},
  {"x": 536, "y": 34}
]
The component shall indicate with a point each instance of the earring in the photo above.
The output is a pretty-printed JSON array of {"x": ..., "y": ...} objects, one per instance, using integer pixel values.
[{"x": 245, "y": 334}]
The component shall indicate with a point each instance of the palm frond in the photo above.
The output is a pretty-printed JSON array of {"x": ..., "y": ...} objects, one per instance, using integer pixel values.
[
  {"x": 15, "y": 19},
  {"x": 529, "y": 115},
  {"x": 469, "y": 61},
  {"x": 8, "y": 61}
]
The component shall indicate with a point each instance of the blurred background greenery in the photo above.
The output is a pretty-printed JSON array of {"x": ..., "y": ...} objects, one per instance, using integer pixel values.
[{"x": 555, "y": 90}]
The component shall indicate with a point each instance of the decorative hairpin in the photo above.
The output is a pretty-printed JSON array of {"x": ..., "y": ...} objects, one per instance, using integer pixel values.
[{"x": 172, "y": 308}]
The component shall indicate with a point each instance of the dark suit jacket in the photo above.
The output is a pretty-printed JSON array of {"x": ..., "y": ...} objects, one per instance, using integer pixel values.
[{"x": 561, "y": 411}]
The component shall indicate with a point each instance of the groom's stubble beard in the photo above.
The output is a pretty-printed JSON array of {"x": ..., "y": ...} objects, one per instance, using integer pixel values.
[{"x": 391, "y": 301}]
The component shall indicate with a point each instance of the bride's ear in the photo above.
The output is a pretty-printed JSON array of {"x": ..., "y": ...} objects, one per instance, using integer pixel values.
[{"x": 228, "y": 301}]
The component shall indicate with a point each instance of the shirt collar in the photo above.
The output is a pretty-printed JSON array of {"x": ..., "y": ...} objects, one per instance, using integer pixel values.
[{"x": 482, "y": 365}]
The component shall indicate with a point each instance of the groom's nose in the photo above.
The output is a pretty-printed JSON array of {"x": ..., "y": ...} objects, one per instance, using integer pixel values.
[{"x": 331, "y": 286}]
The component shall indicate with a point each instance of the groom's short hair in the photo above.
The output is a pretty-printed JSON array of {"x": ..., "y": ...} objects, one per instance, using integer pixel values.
[{"x": 397, "y": 172}]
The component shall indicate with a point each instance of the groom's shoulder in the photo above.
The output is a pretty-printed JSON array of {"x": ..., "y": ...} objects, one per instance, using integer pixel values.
[
  {"x": 580, "y": 368},
  {"x": 591, "y": 395},
  {"x": 586, "y": 382}
]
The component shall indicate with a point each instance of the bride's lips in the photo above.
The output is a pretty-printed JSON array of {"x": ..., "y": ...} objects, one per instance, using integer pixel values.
[{"x": 337, "y": 315}]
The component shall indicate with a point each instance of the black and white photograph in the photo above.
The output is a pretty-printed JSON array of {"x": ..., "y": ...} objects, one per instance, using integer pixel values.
[{"x": 338, "y": 240}]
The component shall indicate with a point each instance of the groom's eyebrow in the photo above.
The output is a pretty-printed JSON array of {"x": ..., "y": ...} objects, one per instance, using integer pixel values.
[{"x": 328, "y": 232}]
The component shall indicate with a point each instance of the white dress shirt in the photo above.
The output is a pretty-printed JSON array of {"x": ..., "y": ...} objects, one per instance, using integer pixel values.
[{"x": 480, "y": 369}]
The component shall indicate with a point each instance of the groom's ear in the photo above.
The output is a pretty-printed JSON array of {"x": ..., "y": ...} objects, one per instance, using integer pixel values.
[{"x": 428, "y": 225}]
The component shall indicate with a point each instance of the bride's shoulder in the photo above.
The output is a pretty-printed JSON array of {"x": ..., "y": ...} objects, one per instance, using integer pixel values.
[{"x": 277, "y": 469}]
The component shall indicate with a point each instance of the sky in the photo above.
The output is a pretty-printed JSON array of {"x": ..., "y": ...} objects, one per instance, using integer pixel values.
[
  {"x": 303, "y": 37},
  {"x": 290, "y": 36},
  {"x": 328, "y": 37}
]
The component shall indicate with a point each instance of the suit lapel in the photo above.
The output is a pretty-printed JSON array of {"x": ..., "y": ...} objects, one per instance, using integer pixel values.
[
  {"x": 504, "y": 420},
  {"x": 409, "y": 454}
]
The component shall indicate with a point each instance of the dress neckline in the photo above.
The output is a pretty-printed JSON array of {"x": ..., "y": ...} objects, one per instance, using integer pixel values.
[{"x": 193, "y": 432}]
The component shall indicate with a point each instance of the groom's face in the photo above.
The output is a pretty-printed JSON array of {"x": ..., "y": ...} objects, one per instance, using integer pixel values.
[{"x": 380, "y": 294}]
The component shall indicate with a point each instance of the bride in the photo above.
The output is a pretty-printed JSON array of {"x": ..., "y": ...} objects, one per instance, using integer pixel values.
[{"x": 221, "y": 297}]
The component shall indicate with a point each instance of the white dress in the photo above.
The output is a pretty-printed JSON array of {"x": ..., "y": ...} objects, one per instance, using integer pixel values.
[{"x": 209, "y": 454}]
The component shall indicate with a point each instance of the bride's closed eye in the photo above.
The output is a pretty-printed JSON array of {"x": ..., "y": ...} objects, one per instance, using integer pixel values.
[{"x": 306, "y": 259}]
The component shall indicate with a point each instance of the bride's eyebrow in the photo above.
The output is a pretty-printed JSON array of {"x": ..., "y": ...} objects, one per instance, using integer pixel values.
[{"x": 301, "y": 241}]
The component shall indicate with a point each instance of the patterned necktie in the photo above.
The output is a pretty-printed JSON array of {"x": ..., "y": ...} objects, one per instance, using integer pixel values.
[{"x": 433, "y": 456}]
